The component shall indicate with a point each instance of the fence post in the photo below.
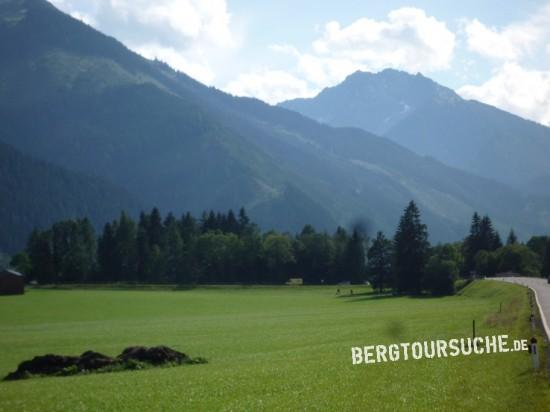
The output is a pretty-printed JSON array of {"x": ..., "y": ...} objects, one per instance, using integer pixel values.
[{"x": 534, "y": 353}]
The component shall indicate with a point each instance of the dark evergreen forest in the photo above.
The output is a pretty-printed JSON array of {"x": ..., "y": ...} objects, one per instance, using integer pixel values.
[{"x": 229, "y": 248}]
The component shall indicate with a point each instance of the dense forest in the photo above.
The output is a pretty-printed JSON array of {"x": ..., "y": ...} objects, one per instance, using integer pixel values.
[
  {"x": 62, "y": 194},
  {"x": 229, "y": 248}
]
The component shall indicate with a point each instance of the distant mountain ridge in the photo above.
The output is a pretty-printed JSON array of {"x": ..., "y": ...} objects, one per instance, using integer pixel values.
[
  {"x": 373, "y": 102},
  {"x": 79, "y": 99},
  {"x": 433, "y": 120}
]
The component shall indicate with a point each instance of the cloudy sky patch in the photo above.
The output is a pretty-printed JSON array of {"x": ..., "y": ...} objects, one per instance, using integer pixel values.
[{"x": 497, "y": 52}]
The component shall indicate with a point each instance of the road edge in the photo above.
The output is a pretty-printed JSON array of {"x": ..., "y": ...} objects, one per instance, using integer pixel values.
[
  {"x": 541, "y": 312},
  {"x": 542, "y": 317}
]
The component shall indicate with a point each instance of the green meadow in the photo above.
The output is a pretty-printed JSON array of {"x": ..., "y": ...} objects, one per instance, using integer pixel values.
[{"x": 269, "y": 348}]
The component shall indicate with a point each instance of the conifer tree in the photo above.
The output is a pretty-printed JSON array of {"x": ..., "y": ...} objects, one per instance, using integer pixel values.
[
  {"x": 512, "y": 238},
  {"x": 340, "y": 241},
  {"x": 244, "y": 220},
  {"x": 355, "y": 257},
  {"x": 188, "y": 227},
  {"x": 410, "y": 251},
  {"x": 106, "y": 254},
  {"x": 231, "y": 223},
  {"x": 40, "y": 254},
  {"x": 144, "y": 261},
  {"x": 379, "y": 263},
  {"x": 487, "y": 235},
  {"x": 482, "y": 237},
  {"x": 125, "y": 250},
  {"x": 173, "y": 252},
  {"x": 155, "y": 228}
]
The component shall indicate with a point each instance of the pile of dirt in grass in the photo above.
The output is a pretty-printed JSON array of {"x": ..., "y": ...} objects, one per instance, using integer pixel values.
[{"x": 133, "y": 357}]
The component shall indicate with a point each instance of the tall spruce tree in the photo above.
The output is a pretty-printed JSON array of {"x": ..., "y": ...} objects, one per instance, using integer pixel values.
[
  {"x": 410, "y": 251},
  {"x": 125, "y": 250},
  {"x": 472, "y": 244},
  {"x": 355, "y": 257},
  {"x": 488, "y": 235},
  {"x": 482, "y": 237},
  {"x": 155, "y": 228},
  {"x": 173, "y": 252},
  {"x": 379, "y": 264},
  {"x": 512, "y": 238},
  {"x": 340, "y": 241},
  {"x": 40, "y": 253},
  {"x": 106, "y": 254},
  {"x": 231, "y": 224},
  {"x": 80, "y": 257},
  {"x": 188, "y": 227},
  {"x": 475, "y": 230},
  {"x": 144, "y": 261},
  {"x": 244, "y": 220}
]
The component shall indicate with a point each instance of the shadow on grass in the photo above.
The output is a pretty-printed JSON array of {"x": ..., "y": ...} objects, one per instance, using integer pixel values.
[
  {"x": 167, "y": 287},
  {"x": 369, "y": 296}
]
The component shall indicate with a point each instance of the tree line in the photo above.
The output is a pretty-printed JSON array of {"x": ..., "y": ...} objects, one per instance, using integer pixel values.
[
  {"x": 229, "y": 248},
  {"x": 217, "y": 248}
]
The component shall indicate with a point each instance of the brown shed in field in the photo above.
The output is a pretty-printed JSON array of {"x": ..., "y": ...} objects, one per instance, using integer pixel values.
[{"x": 11, "y": 282}]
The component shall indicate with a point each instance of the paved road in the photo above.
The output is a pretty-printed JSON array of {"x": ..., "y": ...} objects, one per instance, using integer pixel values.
[{"x": 542, "y": 293}]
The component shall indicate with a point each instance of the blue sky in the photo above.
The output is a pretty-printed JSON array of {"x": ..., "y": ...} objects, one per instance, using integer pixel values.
[{"x": 494, "y": 51}]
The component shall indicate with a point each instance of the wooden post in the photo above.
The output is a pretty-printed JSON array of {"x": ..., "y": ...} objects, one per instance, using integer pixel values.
[
  {"x": 534, "y": 353},
  {"x": 473, "y": 329}
]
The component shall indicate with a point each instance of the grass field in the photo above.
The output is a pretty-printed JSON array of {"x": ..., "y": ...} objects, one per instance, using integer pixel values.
[{"x": 269, "y": 348}]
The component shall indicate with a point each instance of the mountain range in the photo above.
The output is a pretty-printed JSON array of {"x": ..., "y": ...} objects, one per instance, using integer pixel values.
[
  {"x": 433, "y": 120},
  {"x": 82, "y": 104}
]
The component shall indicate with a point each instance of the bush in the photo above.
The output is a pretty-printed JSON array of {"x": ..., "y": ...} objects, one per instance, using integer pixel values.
[{"x": 441, "y": 275}]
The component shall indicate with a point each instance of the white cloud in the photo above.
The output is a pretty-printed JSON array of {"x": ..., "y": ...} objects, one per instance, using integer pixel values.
[
  {"x": 512, "y": 42},
  {"x": 190, "y": 35},
  {"x": 318, "y": 70},
  {"x": 408, "y": 39},
  {"x": 517, "y": 90},
  {"x": 271, "y": 86},
  {"x": 520, "y": 83},
  {"x": 489, "y": 42},
  {"x": 207, "y": 19}
]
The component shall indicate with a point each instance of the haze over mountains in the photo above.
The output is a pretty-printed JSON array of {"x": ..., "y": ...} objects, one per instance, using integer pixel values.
[
  {"x": 81, "y": 102},
  {"x": 433, "y": 120}
]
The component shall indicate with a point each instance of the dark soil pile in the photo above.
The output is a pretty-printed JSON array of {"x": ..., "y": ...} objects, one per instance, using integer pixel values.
[
  {"x": 133, "y": 357},
  {"x": 91, "y": 360},
  {"x": 43, "y": 365},
  {"x": 156, "y": 355}
]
